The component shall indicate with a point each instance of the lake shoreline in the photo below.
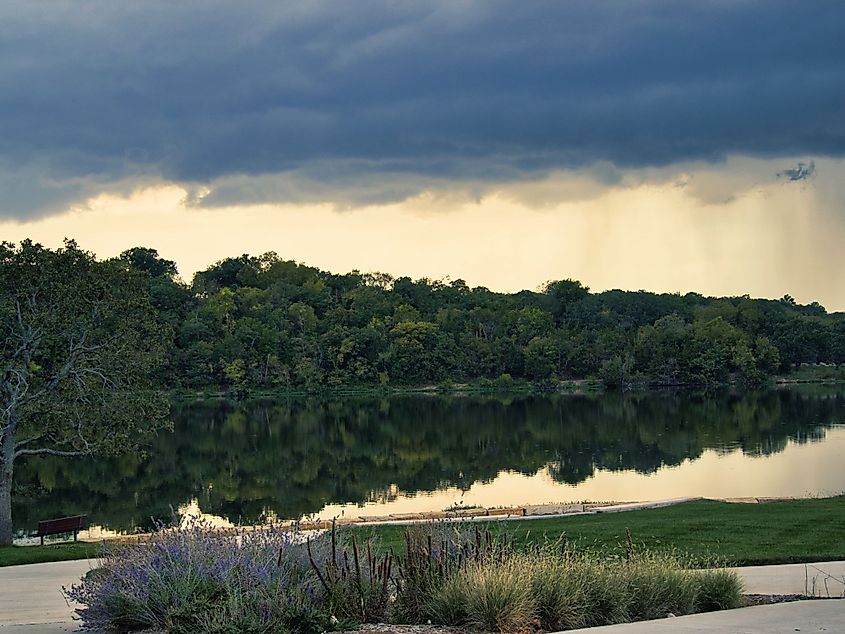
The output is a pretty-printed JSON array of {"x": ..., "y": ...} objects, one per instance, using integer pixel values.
[
  {"x": 569, "y": 386},
  {"x": 740, "y": 532}
]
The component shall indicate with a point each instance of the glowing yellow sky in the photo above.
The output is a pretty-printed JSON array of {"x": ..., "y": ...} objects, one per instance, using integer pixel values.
[{"x": 765, "y": 240}]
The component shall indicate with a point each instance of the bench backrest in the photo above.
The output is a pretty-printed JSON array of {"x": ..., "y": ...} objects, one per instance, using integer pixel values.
[{"x": 63, "y": 525}]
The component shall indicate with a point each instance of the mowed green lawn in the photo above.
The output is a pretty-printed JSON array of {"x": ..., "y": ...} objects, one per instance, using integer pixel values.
[
  {"x": 16, "y": 555},
  {"x": 740, "y": 534}
]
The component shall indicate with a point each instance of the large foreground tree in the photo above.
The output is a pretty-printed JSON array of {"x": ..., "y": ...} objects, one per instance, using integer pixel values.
[{"x": 78, "y": 343}]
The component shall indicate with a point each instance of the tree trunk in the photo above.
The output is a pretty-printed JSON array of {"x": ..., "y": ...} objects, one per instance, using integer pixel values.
[{"x": 7, "y": 456}]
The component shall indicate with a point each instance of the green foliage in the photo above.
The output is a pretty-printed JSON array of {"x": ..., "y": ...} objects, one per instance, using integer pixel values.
[
  {"x": 718, "y": 590},
  {"x": 76, "y": 332},
  {"x": 264, "y": 322},
  {"x": 293, "y": 326},
  {"x": 81, "y": 350},
  {"x": 503, "y": 381},
  {"x": 541, "y": 356},
  {"x": 355, "y": 580},
  {"x": 498, "y": 595},
  {"x": 148, "y": 261},
  {"x": 563, "y": 593},
  {"x": 660, "y": 585},
  {"x": 616, "y": 371},
  {"x": 447, "y": 602}
]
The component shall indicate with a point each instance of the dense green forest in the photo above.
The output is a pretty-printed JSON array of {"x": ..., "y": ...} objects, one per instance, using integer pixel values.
[{"x": 267, "y": 323}]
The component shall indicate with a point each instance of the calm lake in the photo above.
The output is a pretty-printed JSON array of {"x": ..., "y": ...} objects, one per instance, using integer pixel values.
[{"x": 354, "y": 456}]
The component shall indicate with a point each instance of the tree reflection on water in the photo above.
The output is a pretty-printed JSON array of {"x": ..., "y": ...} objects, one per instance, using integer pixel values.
[{"x": 295, "y": 456}]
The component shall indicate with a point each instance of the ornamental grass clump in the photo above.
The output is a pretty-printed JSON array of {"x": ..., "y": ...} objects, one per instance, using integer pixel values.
[
  {"x": 499, "y": 596},
  {"x": 657, "y": 585},
  {"x": 718, "y": 590},
  {"x": 560, "y": 587},
  {"x": 554, "y": 587},
  {"x": 433, "y": 555},
  {"x": 202, "y": 579}
]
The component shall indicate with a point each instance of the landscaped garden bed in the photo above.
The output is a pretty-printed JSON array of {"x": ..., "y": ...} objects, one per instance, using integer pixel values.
[{"x": 269, "y": 580}]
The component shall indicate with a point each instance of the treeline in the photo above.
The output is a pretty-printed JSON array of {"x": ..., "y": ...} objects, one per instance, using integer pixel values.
[{"x": 264, "y": 322}]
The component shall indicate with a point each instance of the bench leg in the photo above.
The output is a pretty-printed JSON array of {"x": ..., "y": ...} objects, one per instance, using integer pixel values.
[
  {"x": 42, "y": 540},
  {"x": 74, "y": 534}
]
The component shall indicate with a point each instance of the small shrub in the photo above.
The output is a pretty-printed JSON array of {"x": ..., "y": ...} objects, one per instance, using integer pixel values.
[
  {"x": 499, "y": 596},
  {"x": 434, "y": 553},
  {"x": 657, "y": 586},
  {"x": 447, "y": 602},
  {"x": 604, "y": 591},
  {"x": 354, "y": 579},
  {"x": 490, "y": 596},
  {"x": 718, "y": 590},
  {"x": 181, "y": 580},
  {"x": 484, "y": 383},
  {"x": 558, "y": 586},
  {"x": 504, "y": 381}
]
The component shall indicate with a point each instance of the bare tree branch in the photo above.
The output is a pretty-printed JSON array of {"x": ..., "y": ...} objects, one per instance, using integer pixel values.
[
  {"x": 26, "y": 441},
  {"x": 48, "y": 452}
]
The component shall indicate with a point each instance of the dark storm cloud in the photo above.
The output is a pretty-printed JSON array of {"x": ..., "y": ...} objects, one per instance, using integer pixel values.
[
  {"x": 350, "y": 95},
  {"x": 800, "y": 172}
]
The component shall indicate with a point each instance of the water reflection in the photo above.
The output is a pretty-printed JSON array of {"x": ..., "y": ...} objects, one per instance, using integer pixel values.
[{"x": 298, "y": 457}]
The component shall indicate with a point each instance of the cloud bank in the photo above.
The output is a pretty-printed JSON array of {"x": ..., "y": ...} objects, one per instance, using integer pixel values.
[{"x": 375, "y": 101}]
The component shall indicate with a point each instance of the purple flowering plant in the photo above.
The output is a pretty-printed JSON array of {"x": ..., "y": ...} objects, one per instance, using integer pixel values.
[{"x": 202, "y": 578}]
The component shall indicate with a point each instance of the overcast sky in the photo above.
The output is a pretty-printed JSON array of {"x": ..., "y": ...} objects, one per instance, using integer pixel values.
[{"x": 671, "y": 146}]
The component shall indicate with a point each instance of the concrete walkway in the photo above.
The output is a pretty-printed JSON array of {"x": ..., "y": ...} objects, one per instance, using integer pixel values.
[
  {"x": 781, "y": 618},
  {"x": 824, "y": 579},
  {"x": 31, "y": 597},
  {"x": 31, "y": 602}
]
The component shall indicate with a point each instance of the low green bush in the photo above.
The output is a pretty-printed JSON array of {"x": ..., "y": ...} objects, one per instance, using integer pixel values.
[
  {"x": 605, "y": 591},
  {"x": 657, "y": 586},
  {"x": 498, "y": 595},
  {"x": 560, "y": 589},
  {"x": 718, "y": 590},
  {"x": 447, "y": 602}
]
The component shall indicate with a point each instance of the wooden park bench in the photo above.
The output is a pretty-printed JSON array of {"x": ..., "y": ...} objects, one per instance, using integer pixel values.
[{"x": 74, "y": 523}]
